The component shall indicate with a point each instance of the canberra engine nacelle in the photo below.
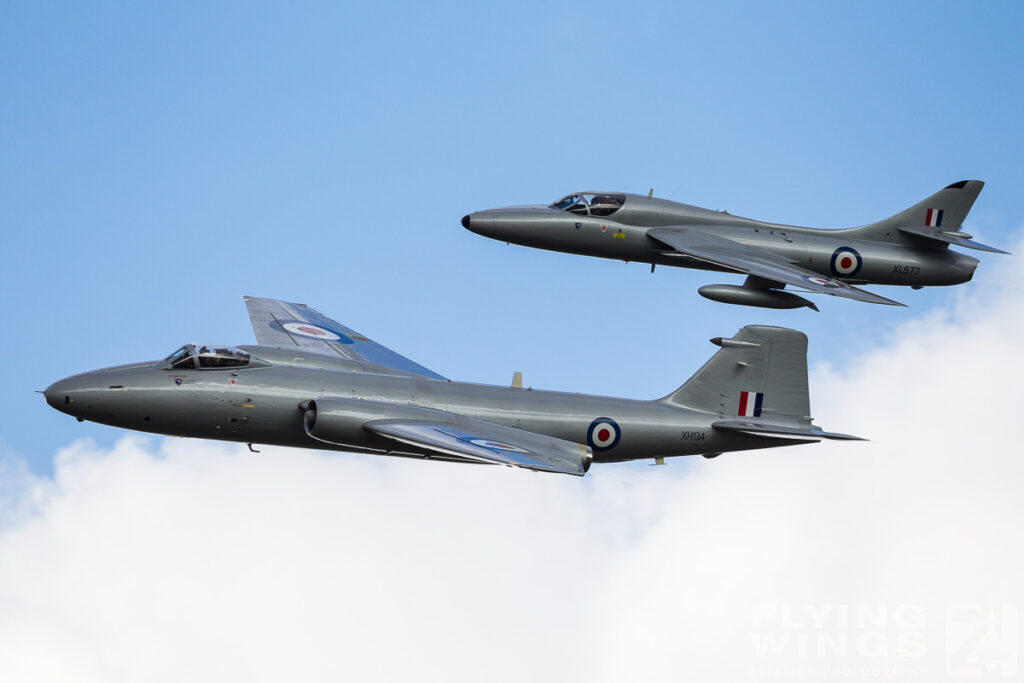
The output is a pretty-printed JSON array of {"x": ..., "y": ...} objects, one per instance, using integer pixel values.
[
  {"x": 751, "y": 296},
  {"x": 414, "y": 431},
  {"x": 342, "y": 421}
]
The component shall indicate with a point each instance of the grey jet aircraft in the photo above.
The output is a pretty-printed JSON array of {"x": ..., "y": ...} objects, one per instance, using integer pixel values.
[
  {"x": 910, "y": 248},
  {"x": 314, "y": 383}
]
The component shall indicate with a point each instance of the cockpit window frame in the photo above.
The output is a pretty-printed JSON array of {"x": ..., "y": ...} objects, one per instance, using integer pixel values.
[
  {"x": 573, "y": 203},
  {"x": 565, "y": 202},
  {"x": 605, "y": 203},
  {"x": 205, "y": 357},
  {"x": 182, "y": 353},
  {"x": 599, "y": 204},
  {"x": 221, "y": 357}
]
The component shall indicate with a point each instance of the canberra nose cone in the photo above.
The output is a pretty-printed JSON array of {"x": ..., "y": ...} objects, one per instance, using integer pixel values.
[
  {"x": 466, "y": 221},
  {"x": 57, "y": 394},
  {"x": 71, "y": 394}
]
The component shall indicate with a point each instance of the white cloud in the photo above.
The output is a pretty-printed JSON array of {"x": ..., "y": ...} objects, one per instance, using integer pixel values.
[{"x": 169, "y": 560}]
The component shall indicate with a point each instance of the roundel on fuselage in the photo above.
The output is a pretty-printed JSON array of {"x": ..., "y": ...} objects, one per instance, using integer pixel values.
[
  {"x": 846, "y": 262},
  {"x": 603, "y": 433}
]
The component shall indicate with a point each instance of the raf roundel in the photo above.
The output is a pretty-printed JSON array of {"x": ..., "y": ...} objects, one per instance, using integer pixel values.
[
  {"x": 820, "y": 281},
  {"x": 498, "y": 446},
  {"x": 603, "y": 434},
  {"x": 311, "y": 331},
  {"x": 846, "y": 262}
]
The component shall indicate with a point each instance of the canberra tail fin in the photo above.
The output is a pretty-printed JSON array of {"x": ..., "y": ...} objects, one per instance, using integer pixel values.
[
  {"x": 757, "y": 384},
  {"x": 761, "y": 374},
  {"x": 944, "y": 211}
]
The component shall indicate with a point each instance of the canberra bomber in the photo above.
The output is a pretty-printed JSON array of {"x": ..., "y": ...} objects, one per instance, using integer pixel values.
[{"x": 314, "y": 383}]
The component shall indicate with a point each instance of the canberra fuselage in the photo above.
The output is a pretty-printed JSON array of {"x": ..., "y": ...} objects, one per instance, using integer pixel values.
[{"x": 266, "y": 404}]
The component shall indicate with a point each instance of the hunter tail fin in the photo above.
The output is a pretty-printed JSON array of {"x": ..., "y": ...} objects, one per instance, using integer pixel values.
[{"x": 944, "y": 211}]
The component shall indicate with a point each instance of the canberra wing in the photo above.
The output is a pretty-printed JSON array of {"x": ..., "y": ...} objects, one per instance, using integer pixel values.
[
  {"x": 488, "y": 442},
  {"x": 728, "y": 253},
  {"x": 289, "y": 325}
]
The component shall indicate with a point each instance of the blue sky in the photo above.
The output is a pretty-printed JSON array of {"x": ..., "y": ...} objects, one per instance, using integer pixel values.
[{"x": 157, "y": 163}]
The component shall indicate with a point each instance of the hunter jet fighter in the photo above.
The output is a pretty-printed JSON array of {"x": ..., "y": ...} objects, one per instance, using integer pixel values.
[
  {"x": 314, "y": 383},
  {"x": 910, "y": 248}
]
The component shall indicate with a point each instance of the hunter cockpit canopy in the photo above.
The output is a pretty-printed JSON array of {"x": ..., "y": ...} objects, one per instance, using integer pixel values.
[
  {"x": 207, "y": 356},
  {"x": 590, "y": 203}
]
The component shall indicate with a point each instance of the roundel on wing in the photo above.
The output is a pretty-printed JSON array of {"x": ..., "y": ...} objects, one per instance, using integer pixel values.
[
  {"x": 603, "y": 434},
  {"x": 821, "y": 281},
  {"x": 846, "y": 262},
  {"x": 301, "y": 328},
  {"x": 497, "y": 446}
]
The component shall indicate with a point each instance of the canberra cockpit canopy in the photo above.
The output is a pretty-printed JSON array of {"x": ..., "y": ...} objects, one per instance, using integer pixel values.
[
  {"x": 590, "y": 203},
  {"x": 207, "y": 356}
]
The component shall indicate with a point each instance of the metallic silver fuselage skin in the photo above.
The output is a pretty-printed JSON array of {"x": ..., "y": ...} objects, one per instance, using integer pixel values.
[
  {"x": 262, "y": 405},
  {"x": 906, "y": 261}
]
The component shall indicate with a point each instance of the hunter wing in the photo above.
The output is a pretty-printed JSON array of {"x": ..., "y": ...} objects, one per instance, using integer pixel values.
[
  {"x": 488, "y": 442},
  {"x": 288, "y": 325},
  {"x": 728, "y": 253}
]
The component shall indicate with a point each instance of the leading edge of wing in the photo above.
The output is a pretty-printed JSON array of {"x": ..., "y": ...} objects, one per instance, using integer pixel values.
[
  {"x": 288, "y": 325},
  {"x": 488, "y": 442},
  {"x": 724, "y": 252}
]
